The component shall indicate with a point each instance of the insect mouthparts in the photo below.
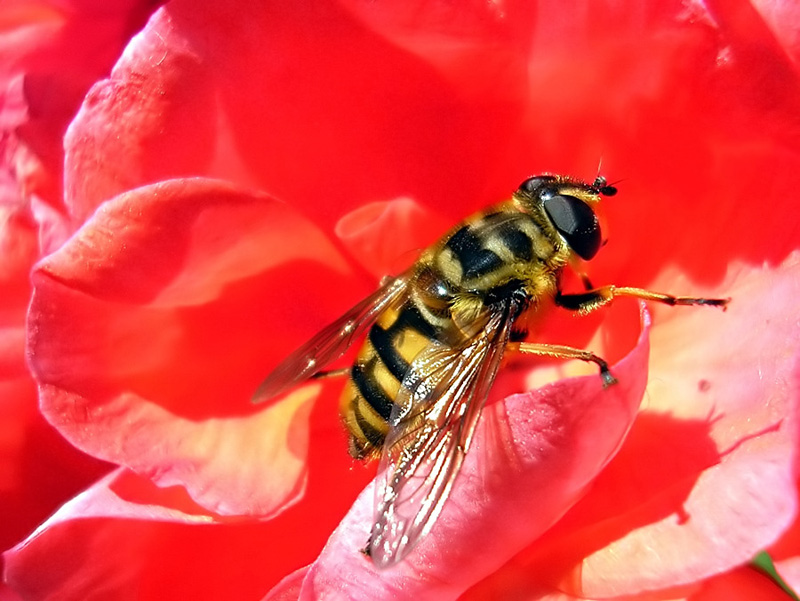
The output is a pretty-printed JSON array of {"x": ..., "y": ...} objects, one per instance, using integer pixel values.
[{"x": 601, "y": 186}]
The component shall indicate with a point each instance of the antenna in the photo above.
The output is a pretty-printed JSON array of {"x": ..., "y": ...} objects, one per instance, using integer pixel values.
[{"x": 601, "y": 186}]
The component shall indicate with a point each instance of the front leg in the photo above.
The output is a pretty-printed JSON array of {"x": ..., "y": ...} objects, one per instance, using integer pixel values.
[{"x": 590, "y": 300}]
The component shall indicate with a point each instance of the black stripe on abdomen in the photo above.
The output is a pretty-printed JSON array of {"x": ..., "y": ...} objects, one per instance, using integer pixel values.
[
  {"x": 373, "y": 436},
  {"x": 385, "y": 341},
  {"x": 364, "y": 379}
]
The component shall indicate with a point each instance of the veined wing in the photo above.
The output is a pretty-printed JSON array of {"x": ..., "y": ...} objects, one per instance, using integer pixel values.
[
  {"x": 432, "y": 426},
  {"x": 331, "y": 343}
]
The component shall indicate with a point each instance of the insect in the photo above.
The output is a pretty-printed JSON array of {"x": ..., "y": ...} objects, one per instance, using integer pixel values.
[{"x": 435, "y": 338}]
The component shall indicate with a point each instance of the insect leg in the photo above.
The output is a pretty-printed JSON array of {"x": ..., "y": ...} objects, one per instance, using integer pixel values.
[
  {"x": 590, "y": 300},
  {"x": 559, "y": 351},
  {"x": 332, "y": 373}
]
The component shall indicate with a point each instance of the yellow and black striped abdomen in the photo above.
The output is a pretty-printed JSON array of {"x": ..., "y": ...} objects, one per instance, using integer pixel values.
[
  {"x": 375, "y": 378},
  {"x": 448, "y": 300}
]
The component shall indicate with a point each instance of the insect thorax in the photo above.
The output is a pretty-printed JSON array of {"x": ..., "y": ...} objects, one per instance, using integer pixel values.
[
  {"x": 496, "y": 246},
  {"x": 492, "y": 255}
]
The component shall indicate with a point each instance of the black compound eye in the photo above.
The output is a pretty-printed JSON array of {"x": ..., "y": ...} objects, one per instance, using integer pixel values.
[
  {"x": 576, "y": 221},
  {"x": 532, "y": 184}
]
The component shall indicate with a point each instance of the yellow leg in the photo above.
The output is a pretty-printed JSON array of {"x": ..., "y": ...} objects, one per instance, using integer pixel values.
[
  {"x": 559, "y": 351},
  {"x": 588, "y": 301}
]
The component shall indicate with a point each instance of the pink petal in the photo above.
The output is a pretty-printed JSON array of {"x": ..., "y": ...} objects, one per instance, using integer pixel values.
[
  {"x": 744, "y": 584},
  {"x": 234, "y": 91},
  {"x": 160, "y": 544},
  {"x": 702, "y": 127},
  {"x": 386, "y": 237},
  {"x": 785, "y": 554},
  {"x": 151, "y": 328},
  {"x": 38, "y": 469},
  {"x": 782, "y": 19},
  {"x": 789, "y": 570},
  {"x": 744, "y": 394},
  {"x": 706, "y": 477},
  {"x": 124, "y": 538},
  {"x": 506, "y": 495},
  {"x": 741, "y": 584},
  {"x": 289, "y": 588},
  {"x": 51, "y": 52}
]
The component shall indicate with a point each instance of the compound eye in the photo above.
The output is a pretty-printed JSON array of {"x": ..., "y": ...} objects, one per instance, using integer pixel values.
[
  {"x": 532, "y": 184},
  {"x": 576, "y": 221}
]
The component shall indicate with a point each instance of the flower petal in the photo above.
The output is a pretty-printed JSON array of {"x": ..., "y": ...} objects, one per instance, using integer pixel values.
[
  {"x": 705, "y": 478},
  {"x": 743, "y": 584},
  {"x": 386, "y": 237},
  {"x": 782, "y": 19},
  {"x": 152, "y": 543},
  {"x": 146, "y": 348},
  {"x": 506, "y": 495},
  {"x": 50, "y": 54},
  {"x": 38, "y": 469},
  {"x": 234, "y": 91},
  {"x": 126, "y": 539},
  {"x": 745, "y": 392},
  {"x": 289, "y": 588}
]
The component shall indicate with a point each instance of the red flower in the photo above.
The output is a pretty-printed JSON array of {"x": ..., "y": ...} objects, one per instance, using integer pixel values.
[
  {"x": 50, "y": 53},
  {"x": 261, "y": 165}
]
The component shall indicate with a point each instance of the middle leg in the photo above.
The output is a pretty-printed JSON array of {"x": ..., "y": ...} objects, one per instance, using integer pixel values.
[{"x": 560, "y": 351}]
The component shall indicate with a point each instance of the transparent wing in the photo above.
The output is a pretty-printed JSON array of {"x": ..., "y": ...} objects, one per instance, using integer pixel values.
[
  {"x": 331, "y": 343},
  {"x": 432, "y": 425}
]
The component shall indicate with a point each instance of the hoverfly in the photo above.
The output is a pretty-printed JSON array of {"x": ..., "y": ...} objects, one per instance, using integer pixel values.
[{"x": 436, "y": 336}]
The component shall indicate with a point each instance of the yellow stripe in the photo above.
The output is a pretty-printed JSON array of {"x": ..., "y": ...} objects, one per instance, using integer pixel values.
[{"x": 449, "y": 266}]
